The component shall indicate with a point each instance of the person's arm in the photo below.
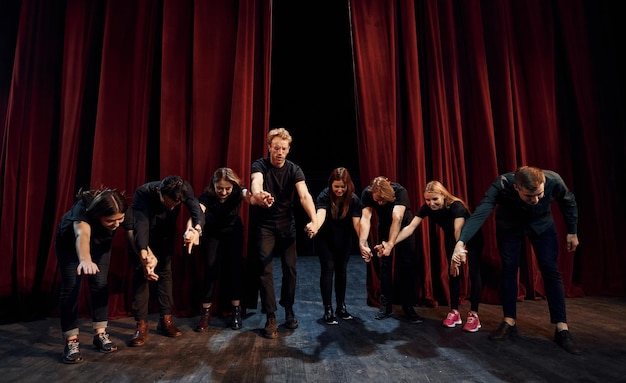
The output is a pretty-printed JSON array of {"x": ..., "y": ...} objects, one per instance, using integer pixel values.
[
  {"x": 260, "y": 196},
  {"x": 306, "y": 200},
  {"x": 192, "y": 233},
  {"x": 82, "y": 233},
  {"x": 364, "y": 231},
  {"x": 409, "y": 229},
  {"x": 394, "y": 230},
  {"x": 321, "y": 217},
  {"x": 454, "y": 264}
]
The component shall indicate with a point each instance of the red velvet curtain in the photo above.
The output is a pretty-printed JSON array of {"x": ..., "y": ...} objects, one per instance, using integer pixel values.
[
  {"x": 461, "y": 91},
  {"x": 117, "y": 94},
  {"x": 112, "y": 93}
]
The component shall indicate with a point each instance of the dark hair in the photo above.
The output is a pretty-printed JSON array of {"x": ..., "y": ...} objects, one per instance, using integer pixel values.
[
  {"x": 103, "y": 202},
  {"x": 226, "y": 174},
  {"x": 343, "y": 202},
  {"x": 174, "y": 188}
]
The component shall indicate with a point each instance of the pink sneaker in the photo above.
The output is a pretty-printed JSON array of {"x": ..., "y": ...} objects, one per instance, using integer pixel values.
[
  {"x": 472, "y": 324},
  {"x": 453, "y": 319}
]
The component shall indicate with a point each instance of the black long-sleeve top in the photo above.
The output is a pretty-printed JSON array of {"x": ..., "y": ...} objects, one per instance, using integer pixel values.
[
  {"x": 152, "y": 218},
  {"x": 514, "y": 215}
]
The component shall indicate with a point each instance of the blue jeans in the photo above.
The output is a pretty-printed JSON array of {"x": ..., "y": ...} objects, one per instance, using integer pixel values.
[{"x": 546, "y": 250}]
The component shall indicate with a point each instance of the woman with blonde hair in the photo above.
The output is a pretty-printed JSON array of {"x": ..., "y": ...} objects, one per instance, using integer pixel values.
[{"x": 449, "y": 213}]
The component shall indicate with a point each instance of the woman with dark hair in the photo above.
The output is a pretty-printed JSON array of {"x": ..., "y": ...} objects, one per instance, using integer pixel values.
[
  {"x": 83, "y": 247},
  {"x": 222, "y": 244},
  {"x": 340, "y": 208},
  {"x": 450, "y": 212}
]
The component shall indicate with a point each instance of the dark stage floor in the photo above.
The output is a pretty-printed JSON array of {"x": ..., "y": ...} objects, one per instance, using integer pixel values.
[{"x": 360, "y": 350}]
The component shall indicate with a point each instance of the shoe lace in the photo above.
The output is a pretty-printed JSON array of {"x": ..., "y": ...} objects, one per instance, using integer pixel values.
[
  {"x": 104, "y": 338},
  {"x": 452, "y": 315},
  {"x": 73, "y": 347}
]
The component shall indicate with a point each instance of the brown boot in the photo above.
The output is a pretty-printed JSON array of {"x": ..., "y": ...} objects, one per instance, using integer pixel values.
[
  {"x": 167, "y": 328},
  {"x": 141, "y": 334},
  {"x": 205, "y": 318}
]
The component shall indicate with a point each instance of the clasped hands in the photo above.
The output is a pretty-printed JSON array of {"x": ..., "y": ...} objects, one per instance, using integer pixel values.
[
  {"x": 311, "y": 229},
  {"x": 382, "y": 250},
  {"x": 263, "y": 199},
  {"x": 149, "y": 263},
  {"x": 459, "y": 256},
  {"x": 191, "y": 237}
]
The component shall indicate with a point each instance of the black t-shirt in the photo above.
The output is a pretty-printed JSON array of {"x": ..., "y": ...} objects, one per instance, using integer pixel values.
[
  {"x": 100, "y": 240},
  {"x": 384, "y": 212},
  {"x": 340, "y": 227},
  {"x": 281, "y": 184},
  {"x": 221, "y": 217}
]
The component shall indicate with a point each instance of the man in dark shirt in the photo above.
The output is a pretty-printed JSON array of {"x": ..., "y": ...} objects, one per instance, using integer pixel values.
[
  {"x": 274, "y": 183},
  {"x": 391, "y": 203},
  {"x": 524, "y": 199},
  {"x": 154, "y": 211}
]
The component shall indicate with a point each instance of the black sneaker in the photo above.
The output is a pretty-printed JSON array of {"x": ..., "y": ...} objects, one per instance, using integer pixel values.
[
  {"x": 384, "y": 312},
  {"x": 564, "y": 339},
  {"x": 291, "y": 322},
  {"x": 103, "y": 344},
  {"x": 71, "y": 353},
  {"x": 329, "y": 318},
  {"x": 504, "y": 332},
  {"x": 343, "y": 313},
  {"x": 412, "y": 316}
]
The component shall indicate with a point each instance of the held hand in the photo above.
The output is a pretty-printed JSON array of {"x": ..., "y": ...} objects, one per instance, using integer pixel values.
[
  {"x": 87, "y": 267},
  {"x": 366, "y": 252},
  {"x": 310, "y": 229},
  {"x": 387, "y": 247},
  {"x": 263, "y": 199},
  {"x": 191, "y": 237},
  {"x": 460, "y": 253},
  {"x": 149, "y": 264},
  {"x": 572, "y": 242}
]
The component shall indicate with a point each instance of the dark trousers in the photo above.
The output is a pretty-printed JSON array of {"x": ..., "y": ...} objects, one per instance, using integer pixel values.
[
  {"x": 270, "y": 243},
  {"x": 70, "y": 289},
  {"x": 141, "y": 286},
  {"x": 406, "y": 274},
  {"x": 334, "y": 259},
  {"x": 223, "y": 253},
  {"x": 546, "y": 250}
]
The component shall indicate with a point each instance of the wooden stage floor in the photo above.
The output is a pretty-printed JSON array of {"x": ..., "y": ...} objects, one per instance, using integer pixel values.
[{"x": 360, "y": 350}]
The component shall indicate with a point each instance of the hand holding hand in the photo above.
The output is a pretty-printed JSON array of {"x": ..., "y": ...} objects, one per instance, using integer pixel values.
[
  {"x": 460, "y": 253},
  {"x": 454, "y": 268},
  {"x": 191, "y": 237},
  {"x": 366, "y": 252},
  {"x": 311, "y": 230},
  {"x": 149, "y": 264}
]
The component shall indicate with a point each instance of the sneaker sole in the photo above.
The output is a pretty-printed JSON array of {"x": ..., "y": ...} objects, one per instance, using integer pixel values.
[
  {"x": 472, "y": 330},
  {"x": 453, "y": 325}
]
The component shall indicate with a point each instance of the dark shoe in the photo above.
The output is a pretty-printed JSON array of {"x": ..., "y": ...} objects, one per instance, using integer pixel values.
[
  {"x": 71, "y": 353},
  {"x": 103, "y": 344},
  {"x": 412, "y": 316},
  {"x": 141, "y": 334},
  {"x": 291, "y": 322},
  {"x": 236, "y": 322},
  {"x": 564, "y": 339},
  {"x": 270, "y": 331},
  {"x": 384, "y": 312},
  {"x": 205, "y": 319},
  {"x": 504, "y": 332},
  {"x": 167, "y": 328},
  {"x": 329, "y": 318},
  {"x": 342, "y": 312}
]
